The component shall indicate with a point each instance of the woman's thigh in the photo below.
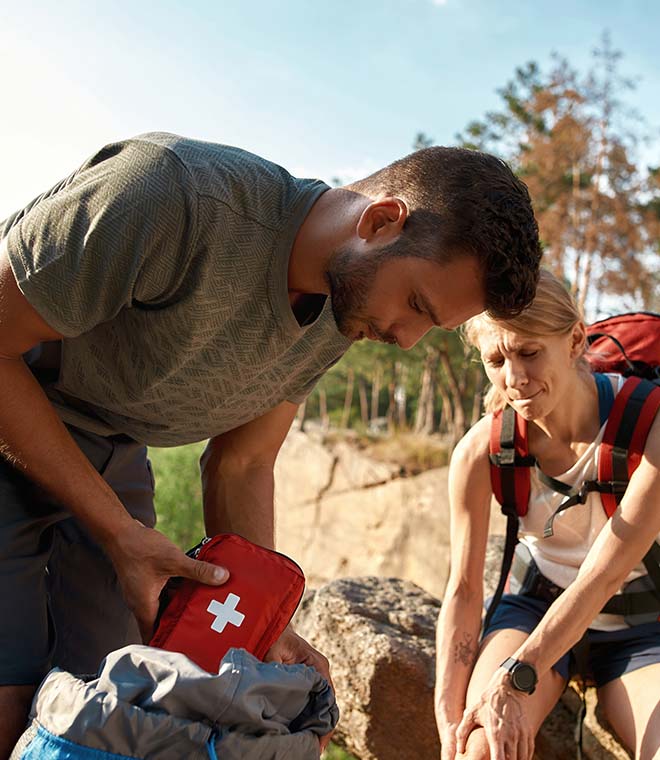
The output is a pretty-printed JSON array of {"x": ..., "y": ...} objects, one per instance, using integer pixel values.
[
  {"x": 631, "y": 704},
  {"x": 494, "y": 650}
]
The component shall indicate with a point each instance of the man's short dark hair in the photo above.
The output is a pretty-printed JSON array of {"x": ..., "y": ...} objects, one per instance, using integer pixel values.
[{"x": 463, "y": 202}]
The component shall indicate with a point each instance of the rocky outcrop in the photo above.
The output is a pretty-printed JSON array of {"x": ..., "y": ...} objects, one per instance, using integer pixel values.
[
  {"x": 379, "y": 636},
  {"x": 340, "y": 513}
]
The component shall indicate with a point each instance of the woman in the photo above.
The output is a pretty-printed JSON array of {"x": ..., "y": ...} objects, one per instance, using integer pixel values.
[{"x": 535, "y": 363}]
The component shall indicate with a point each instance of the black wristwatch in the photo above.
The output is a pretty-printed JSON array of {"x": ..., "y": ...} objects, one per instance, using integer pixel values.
[{"x": 522, "y": 674}]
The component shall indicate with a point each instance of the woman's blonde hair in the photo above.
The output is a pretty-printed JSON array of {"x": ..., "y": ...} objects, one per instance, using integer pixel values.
[{"x": 552, "y": 312}]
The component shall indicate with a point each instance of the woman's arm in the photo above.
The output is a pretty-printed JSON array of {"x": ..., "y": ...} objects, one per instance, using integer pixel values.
[
  {"x": 459, "y": 622},
  {"x": 619, "y": 547}
]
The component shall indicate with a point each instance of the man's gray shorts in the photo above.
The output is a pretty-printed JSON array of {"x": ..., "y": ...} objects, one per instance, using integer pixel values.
[{"x": 60, "y": 603}]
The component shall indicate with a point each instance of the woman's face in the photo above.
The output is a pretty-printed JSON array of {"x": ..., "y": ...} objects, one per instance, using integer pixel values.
[{"x": 532, "y": 374}]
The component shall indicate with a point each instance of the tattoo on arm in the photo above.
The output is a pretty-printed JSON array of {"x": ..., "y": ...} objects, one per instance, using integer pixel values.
[{"x": 465, "y": 651}]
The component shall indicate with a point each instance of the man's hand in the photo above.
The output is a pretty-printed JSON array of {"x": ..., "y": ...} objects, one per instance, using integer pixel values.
[
  {"x": 291, "y": 649},
  {"x": 501, "y": 712},
  {"x": 144, "y": 561}
]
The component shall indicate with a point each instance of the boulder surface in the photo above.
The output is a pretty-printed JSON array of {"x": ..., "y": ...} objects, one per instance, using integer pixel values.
[{"x": 379, "y": 636}]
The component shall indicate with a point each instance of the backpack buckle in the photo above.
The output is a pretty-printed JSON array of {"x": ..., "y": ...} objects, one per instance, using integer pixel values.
[{"x": 583, "y": 493}]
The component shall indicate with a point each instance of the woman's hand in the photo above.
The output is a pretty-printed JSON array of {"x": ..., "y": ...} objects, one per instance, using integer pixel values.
[
  {"x": 502, "y": 713},
  {"x": 447, "y": 732}
]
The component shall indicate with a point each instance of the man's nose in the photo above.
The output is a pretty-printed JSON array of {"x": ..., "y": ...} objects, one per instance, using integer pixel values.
[{"x": 408, "y": 335}]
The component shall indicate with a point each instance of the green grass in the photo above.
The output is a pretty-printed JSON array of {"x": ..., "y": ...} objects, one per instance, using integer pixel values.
[
  {"x": 336, "y": 753},
  {"x": 179, "y": 493},
  {"x": 179, "y": 509}
]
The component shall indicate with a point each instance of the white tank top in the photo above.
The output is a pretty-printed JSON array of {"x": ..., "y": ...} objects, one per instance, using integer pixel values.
[{"x": 559, "y": 557}]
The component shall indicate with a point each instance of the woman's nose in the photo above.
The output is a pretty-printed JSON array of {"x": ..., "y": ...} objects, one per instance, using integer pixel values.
[{"x": 515, "y": 374}]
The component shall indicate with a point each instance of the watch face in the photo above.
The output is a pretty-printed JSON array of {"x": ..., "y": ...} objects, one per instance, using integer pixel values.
[{"x": 523, "y": 677}]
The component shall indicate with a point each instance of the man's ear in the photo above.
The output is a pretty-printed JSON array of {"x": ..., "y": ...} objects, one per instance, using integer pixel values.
[{"x": 382, "y": 220}]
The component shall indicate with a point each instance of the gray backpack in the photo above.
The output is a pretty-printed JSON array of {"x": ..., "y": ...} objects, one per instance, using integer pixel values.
[{"x": 152, "y": 704}]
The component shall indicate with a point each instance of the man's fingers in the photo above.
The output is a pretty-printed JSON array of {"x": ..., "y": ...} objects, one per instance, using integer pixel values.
[
  {"x": 530, "y": 745},
  {"x": 146, "y": 617},
  {"x": 318, "y": 661},
  {"x": 497, "y": 748},
  {"x": 463, "y": 731},
  {"x": 204, "y": 572},
  {"x": 325, "y": 740}
]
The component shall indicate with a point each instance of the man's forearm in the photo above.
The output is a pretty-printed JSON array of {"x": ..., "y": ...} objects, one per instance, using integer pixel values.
[
  {"x": 238, "y": 498},
  {"x": 34, "y": 441}
]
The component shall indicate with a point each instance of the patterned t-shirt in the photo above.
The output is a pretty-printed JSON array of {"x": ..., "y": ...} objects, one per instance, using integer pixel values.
[{"x": 163, "y": 262}]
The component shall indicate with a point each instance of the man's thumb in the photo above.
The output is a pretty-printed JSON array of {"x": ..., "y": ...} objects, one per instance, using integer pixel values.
[{"x": 207, "y": 573}]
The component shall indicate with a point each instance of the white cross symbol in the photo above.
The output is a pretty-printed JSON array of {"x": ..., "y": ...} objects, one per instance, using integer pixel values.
[{"x": 226, "y": 613}]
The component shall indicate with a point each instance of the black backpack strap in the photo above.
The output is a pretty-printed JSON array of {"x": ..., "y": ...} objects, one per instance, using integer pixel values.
[
  {"x": 507, "y": 558},
  {"x": 575, "y": 495}
]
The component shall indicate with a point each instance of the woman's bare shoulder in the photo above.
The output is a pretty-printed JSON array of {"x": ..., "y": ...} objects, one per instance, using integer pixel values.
[{"x": 473, "y": 448}]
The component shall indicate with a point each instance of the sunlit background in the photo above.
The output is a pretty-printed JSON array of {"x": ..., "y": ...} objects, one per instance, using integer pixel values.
[{"x": 328, "y": 89}]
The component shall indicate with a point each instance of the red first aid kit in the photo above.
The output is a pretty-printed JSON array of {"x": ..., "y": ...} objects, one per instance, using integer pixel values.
[{"x": 249, "y": 611}]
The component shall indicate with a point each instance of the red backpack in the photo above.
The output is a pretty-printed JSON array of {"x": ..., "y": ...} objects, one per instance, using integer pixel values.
[{"x": 628, "y": 344}]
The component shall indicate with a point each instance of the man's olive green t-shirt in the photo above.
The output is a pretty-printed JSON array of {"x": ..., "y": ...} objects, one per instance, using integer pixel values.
[{"x": 163, "y": 262}]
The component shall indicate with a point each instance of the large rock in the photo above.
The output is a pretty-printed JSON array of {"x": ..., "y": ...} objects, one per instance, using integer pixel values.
[
  {"x": 379, "y": 636},
  {"x": 340, "y": 513}
]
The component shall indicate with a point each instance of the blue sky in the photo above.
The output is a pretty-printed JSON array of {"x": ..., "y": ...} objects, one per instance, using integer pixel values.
[{"x": 326, "y": 89}]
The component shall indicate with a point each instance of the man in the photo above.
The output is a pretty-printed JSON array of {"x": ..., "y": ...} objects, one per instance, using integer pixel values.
[{"x": 170, "y": 291}]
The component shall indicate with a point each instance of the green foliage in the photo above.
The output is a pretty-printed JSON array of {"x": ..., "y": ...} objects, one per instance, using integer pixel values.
[
  {"x": 365, "y": 356},
  {"x": 571, "y": 137},
  {"x": 412, "y": 453},
  {"x": 179, "y": 493},
  {"x": 336, "y": 753}
]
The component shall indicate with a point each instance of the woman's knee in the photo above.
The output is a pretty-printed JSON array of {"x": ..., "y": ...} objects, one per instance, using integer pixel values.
[{"x": 477, "y": 746}]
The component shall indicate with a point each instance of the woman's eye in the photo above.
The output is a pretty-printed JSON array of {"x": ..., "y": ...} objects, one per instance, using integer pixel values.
[
  {"x": 528, "y": 354},
  {"x": 416, "y": 306}
]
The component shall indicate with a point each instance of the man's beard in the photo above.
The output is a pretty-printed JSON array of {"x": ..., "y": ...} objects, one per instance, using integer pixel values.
[{"x": 350, "y": 277}]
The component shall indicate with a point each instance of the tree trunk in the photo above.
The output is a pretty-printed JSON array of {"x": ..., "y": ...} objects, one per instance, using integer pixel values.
[
  {"x": 323, "y": 410},
  {"x": 302, "y": 409},
  {"x": 446, "y": 415},
  {"x": 591, "y": 237},
  {"x": 391, "y": 406},
  {"x": 364, "y": 405},
  {"x": 348, "y": 399},
  {"x": 458, "y": 414},
  {"x": 424, "y": 418},
  {"x": 478, "y": 396},
  {"x": 577, "y": 241},
  {"x": 400, "y": 395},
  {"x": 375, "y": 390}
]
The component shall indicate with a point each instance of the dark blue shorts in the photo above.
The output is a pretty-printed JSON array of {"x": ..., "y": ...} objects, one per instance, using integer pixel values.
[{"x": 611, "y": 654}]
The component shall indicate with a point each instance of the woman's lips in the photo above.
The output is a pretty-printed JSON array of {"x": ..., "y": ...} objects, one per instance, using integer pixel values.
[{"x": 525, "y": 398}]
